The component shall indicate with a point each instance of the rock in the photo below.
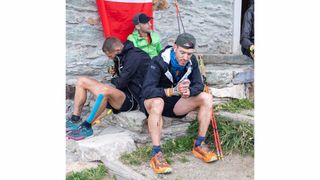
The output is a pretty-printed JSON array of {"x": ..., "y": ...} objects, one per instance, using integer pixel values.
[
  {"x": 175, "y": 130},
  {"x": 80, "y": 166},
  {"x": 70, "y": 90},
  {"x": 192, "y": 116},
  {"x": 218, "y": 76},
  {"x": 236, "y": 116},
  {"x": 159, "y": 5},
  {"x": 132, "y": 120},
  {"x": 82, "y": 5},
  {"x": 236, "y": 91},
  {"x": 244, "y": 77},
  {"x": 74, "y": 17},
  {"x": 226, "y": 59},
  {"x": 93, "y": 20},
  {"x": 248, "y": 112},
  {"x": 85, "y": 34},
  {"x": 121, "y": 171},
  {"x": 108, "y": 146},
  {"x": 99, "y": 62},
  {"x": 141, "y": 138}
]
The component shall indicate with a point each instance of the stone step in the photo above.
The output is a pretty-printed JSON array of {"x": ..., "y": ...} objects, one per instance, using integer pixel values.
[
  {"x": 136, "y": 121},
  {"x": 105, "y": 147},
  {"x": 243, "y": 116},
  {"x": 227, "y": 59},
  {"x": 222, "y": 76}
]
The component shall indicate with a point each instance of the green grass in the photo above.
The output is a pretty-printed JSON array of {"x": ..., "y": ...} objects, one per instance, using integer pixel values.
[
  {"x": 142, "y": 154},
  {"x": 89, "y": 174},
  {"x": 235, "y": 105},
  {"x": 234, "y": 136}
]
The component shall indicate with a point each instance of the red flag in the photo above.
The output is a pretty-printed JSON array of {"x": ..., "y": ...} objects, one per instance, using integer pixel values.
[{"x": 116, "y": 16}]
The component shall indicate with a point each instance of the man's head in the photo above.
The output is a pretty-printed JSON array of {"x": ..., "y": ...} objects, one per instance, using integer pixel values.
[
  {"x": 112, "y": 46},
  {"x": 184, "y": 47},
  {"x": 142, "y": 22}
]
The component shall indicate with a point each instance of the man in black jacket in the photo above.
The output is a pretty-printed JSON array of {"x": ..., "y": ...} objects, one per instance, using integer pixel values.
[
  {"x": 173, "y": 87},
  {"x": 247, "y": 32},
  {"x": 122, "y": 95}
]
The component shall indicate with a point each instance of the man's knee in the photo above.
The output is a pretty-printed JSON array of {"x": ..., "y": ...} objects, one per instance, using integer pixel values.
[
  {"x": 82, "y": 81},
  {"x": 205, "y": 99},
  {"x": 155, "y": 106},
  {"x": 105, "y": 89}
]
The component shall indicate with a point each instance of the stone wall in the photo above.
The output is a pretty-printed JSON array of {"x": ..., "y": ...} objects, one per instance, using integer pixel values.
[{"x": 210, "y": 21}]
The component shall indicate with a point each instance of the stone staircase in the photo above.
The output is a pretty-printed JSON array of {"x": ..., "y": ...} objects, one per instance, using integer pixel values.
[{"x": 227, "y": 77}]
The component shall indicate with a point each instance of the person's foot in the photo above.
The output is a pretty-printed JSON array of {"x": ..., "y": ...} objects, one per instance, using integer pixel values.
[
  {"x": 71, "y": 125},
  {"x": 202, "y": 152},
  {"x": 159, "y": 164},
  {"x": 80, "y": 133}
]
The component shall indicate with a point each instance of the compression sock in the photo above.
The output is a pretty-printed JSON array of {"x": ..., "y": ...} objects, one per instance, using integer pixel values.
[
  {"x": 86, "y": 124},
  {"x": 75, "y": 118},
  {"x": 155, "y": 150},
  {"x": 199, "y": 140}
]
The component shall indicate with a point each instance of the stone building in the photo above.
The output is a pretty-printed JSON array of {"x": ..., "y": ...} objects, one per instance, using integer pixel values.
[{"x": 214, "y": 23}]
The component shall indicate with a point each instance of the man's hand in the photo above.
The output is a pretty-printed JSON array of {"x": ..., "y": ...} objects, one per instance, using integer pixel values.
[
  {"x": 111, "y": 70},
  {"x": 251, "y": 50},
  {"x": 183, "y": 85},
  {"x": 183, "y": 88},
  {"x": 186, "y": 94}
]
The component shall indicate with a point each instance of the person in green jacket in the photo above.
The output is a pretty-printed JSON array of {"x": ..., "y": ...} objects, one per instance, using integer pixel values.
[{"x": 143, "y": 37}]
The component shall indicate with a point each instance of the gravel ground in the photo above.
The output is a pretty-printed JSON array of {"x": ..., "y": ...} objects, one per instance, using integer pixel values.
[{"x": 186, "y": 166}]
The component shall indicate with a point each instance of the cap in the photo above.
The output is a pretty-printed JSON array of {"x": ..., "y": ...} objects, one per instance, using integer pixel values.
[
  {"x": 140, "y": 18},
  {"x": 186, "y": 40}
]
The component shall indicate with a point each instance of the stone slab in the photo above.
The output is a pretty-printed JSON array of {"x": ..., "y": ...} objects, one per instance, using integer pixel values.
[
  {"x": 236, "y": 116},
  {"x": 236, "y": 91},
  {"x": 108, "y": 146},
  {"x": 244, "y": 77}
]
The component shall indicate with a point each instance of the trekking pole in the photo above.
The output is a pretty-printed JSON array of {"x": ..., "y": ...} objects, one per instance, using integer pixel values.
[
  {"x": 220, "y": 156},
  {"x": 215, "y": 135},
  {"x": 177, "y": 11},
  {"x": 179, "y": 16},
  {"x": 213, "y": 119}
]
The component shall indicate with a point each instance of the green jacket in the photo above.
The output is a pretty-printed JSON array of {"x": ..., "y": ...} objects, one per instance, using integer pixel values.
[{"x": 152, "y": 49}]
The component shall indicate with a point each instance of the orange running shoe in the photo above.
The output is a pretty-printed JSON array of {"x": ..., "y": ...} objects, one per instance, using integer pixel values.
[
  {"x": 159, "y": 164},
  {"x": 202, "y": 152}
]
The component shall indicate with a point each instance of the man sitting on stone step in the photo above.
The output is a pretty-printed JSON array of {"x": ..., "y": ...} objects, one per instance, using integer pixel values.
[
  {"x": 121, "y": 95},
  {"x": 143, "y": 37},
  {"x": 173, "y": 87}
]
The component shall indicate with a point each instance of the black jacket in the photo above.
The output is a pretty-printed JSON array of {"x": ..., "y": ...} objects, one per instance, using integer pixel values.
[
  {"x": 247, "y": 32},
  {"x": 158, "y": 76},
  {"x": 132, "y": 67}
]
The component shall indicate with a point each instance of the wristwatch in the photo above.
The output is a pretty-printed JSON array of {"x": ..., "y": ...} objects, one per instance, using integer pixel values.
[{"x": 251, "y": 48}]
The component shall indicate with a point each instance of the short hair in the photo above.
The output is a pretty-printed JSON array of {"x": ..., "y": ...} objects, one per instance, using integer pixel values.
[{"x": 110, "y": 43}]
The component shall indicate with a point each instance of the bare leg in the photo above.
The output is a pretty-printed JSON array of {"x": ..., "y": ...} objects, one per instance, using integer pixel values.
[
  {"x": 154, "y": 108},
  {"x": 112, "y": 95},
  {"x": 204, "y": 101}
]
